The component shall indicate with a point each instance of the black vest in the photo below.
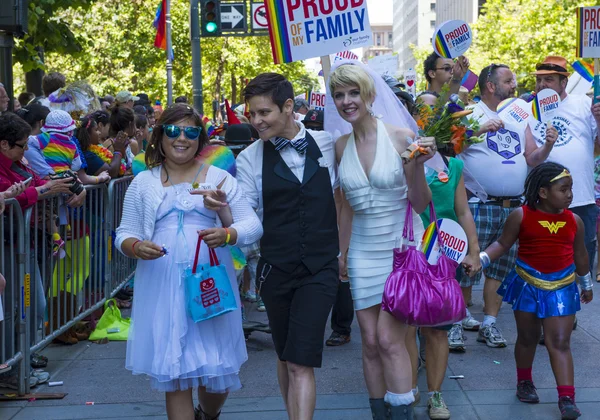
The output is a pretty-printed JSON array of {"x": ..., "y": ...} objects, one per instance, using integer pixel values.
[{"x": 299, "y": 219}]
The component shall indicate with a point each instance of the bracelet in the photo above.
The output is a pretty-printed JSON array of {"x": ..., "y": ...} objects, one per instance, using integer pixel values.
[
  {"x": 485, "y": 259},
  {"x": 117, "y": 153},
  {"x": 133, "y": 248},
  {"x": 228, "y": 238},
  {"x": 95, "y": 180},
  {"x": 585, "y": 281}
]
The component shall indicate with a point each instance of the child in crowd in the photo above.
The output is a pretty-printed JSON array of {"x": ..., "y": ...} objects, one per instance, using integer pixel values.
[
  {"x": 142, "y": 132},
  {"x": 542, "y": 290}
]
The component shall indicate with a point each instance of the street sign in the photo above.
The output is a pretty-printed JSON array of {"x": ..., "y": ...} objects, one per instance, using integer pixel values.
[
  {"x": 233, "y": 17},
  {"x": 259, "y": 16}
]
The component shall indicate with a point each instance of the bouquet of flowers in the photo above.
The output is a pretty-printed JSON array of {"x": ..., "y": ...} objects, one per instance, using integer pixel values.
[{"x": 449, "y": 123}]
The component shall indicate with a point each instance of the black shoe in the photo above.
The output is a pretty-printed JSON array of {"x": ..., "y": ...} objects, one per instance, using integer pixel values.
[
  {"x": 568, "y": 409},
  {"x": 527, "y": 393}
]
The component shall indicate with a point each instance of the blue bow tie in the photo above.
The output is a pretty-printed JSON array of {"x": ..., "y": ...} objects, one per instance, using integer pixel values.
[{"x": 300, "y": 144}]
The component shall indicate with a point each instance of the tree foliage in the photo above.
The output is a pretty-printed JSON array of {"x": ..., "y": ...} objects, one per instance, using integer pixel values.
[
  {"x": 117, "y": 52},
  {"x": 519, "y": 33}
]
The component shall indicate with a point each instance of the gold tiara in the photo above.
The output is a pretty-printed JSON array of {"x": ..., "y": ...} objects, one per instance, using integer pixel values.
[{"x": 563, "y": 174}]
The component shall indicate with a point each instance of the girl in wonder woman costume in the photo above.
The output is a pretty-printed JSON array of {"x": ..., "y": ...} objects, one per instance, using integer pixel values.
[{"x": 541, "y": 287}]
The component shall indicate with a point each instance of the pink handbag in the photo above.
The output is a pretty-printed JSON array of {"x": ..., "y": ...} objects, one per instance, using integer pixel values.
[{"x": 418, "y": 293}]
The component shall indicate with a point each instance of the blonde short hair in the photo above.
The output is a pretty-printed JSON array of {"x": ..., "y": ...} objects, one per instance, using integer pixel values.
[{"x": 352, "y": 75}]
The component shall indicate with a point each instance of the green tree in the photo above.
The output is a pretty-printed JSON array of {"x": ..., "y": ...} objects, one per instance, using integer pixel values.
[
  {"x": 518, "y": 33},
  {"x": 117, "y": 53}
]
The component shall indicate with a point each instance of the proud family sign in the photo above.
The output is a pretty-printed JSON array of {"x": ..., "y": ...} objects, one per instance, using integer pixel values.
[{"x": 301, "y": 29}]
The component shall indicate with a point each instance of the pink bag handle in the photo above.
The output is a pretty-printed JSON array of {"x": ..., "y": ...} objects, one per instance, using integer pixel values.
[
  {"x": 408, "y": 232},
  {"x": 214, "y": 261}
]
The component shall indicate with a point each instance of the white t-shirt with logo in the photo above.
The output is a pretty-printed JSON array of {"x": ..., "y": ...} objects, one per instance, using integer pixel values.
[
  {"x": 498, "y": 162},
  {"x": 574, "y": 147}
]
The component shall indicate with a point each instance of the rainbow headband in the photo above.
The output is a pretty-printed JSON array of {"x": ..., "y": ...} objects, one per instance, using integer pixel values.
[
  {"x": 563, "y": 174},
  {"x": 441, "y": 45},
  {"x": 278, "y": 32}
]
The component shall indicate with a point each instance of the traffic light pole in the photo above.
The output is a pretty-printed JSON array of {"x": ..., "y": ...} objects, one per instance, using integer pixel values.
[
  {"x": 169, "y": 54},
  {"x": 6, "y": 75},
  {"x": 196, "y": 56}
]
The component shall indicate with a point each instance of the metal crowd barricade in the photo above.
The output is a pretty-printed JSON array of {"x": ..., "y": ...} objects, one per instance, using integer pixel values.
[
  {"x": 13, "y": 347},
  {"x": 120, "y": 268}
]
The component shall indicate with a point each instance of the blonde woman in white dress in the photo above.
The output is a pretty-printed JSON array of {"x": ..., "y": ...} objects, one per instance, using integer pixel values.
[{"x": 377, "y": 187}]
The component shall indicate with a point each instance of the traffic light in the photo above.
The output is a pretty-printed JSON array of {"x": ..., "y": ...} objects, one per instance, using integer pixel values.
[{"x": 211, "y": 18}]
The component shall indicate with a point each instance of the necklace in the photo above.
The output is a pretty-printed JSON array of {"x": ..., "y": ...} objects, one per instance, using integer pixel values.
[{"x": 194, "y": 183}]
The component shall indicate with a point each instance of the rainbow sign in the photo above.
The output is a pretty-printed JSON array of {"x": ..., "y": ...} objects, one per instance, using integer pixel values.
[
  {"x": 584, "y": 69},
  {"x": 545, "y": 104},
  {"x": 452, "y": 39},
  {"x": 454, "y": 238},
  {"x": 301, "y": 29}
]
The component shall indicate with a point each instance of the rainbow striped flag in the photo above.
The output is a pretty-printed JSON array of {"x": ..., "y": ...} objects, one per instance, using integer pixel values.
[
  {"x": 585, "y": 69},
  {"x": 441, "y": 46},
  {"x": 429, "y": 240},
  {"x": 278, "y": 33},
  {"x": 160, "y": 23},
  {"x": 535, "y": 109}
]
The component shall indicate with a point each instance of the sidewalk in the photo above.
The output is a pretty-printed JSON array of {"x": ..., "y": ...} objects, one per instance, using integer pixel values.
[{"x": 96, "y": 373}]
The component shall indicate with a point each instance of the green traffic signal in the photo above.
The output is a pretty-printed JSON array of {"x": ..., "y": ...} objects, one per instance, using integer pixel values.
[{"x": 211, "y": 27}]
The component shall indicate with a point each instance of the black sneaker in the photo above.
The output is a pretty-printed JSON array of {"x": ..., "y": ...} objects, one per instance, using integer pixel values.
[
  {"x": 568, "y": 409},
  {"x": 527, "y": 393}
]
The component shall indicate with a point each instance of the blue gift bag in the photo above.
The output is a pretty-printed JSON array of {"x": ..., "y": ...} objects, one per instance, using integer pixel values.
[{"x": 207, "y": 288}]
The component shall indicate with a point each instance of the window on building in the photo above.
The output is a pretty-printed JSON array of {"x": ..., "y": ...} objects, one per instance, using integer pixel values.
[
  {"x": 390, "y": 40},
  {"x": 432, "y": 7},
  {"x": 378, "y": 40},
  {"x": 432, "y": 23}
]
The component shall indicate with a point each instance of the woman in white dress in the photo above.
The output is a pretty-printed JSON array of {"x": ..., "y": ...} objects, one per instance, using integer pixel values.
[
  {"x": 160, "y": 214},
  {"x": 377, "y": 186}
]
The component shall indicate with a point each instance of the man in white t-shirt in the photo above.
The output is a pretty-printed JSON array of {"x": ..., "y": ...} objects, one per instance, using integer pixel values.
[
  {"x": 577, "y": 123},
  {"x": 498, "y": 164}
]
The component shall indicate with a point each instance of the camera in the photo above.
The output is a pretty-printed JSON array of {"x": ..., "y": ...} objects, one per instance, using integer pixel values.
[{"x": 76, "y": 186}]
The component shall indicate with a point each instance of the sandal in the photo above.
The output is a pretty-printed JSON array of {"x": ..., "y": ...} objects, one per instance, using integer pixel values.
[
  {"x": 38, "y": 361},
  {"x": 201, "y": 415},
  {"x": 4, "y": 368}
]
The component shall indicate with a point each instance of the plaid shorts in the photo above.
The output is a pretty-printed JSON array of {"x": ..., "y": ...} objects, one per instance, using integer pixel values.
[{"x": 489, "y": 221}]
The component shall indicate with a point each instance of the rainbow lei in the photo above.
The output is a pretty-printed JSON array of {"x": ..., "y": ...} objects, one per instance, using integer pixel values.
[{"x": 106, "y": 156}]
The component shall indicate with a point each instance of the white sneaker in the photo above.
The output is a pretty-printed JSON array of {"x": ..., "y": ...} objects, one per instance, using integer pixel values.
[{"x": 471, "y": 324}]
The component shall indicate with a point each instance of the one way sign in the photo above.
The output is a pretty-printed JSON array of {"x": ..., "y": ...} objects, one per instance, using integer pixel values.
[{"x": 233, "y": 17}]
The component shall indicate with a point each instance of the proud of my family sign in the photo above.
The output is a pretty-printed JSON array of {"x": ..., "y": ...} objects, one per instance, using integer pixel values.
[{"x": 301, "y": 29}]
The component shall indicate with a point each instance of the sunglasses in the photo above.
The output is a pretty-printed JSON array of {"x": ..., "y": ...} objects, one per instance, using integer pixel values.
[
  {"x": 22, "y": 146},
  {"x": 174, "y": 131},
  {"x": 447, "y": 69}
]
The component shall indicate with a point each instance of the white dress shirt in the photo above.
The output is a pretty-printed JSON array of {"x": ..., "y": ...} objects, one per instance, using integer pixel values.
[{"x": 250, "y": 165}]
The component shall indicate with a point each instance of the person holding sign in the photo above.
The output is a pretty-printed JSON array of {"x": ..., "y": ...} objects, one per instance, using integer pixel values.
[
  {"x": 542, "y": 290},
  {"x": 377, "y": 186},
  {"x": 440, "y": 71},
  {"x": 289, "y": 178},
  {"x": 577, "y": 120},
  {"x": 499, "y": 166}
]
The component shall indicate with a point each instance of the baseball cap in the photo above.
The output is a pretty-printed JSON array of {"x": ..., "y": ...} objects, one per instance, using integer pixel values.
[
  {"x": 314, "y": 116},
  {"x": 125, "y": 96}
]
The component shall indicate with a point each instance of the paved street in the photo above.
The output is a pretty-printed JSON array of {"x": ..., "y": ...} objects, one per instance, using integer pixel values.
[{"x": 95, "y": 373}]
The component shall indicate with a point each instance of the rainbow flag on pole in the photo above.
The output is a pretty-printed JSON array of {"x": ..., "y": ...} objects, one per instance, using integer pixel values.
[
  {"x": 160, "y": 23},
  {"x": 584, "y": 69},
  {"x": 278, "y": 33}
]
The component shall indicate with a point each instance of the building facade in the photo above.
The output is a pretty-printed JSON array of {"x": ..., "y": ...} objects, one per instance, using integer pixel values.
[
  {"x": 414, "y": 23},
  {"x": 382, "y": 41},
  {"x": 467, "y": 10}
]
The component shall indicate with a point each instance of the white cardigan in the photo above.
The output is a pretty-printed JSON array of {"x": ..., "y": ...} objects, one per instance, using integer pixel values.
[{"x": 146, "y": 193}]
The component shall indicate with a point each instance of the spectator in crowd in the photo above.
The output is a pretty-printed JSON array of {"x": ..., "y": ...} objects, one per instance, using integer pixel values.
[
  {"x": 440, "y": 71},
  {"x": 301, "y": 106},
  {"x": 3, "y": 99},
  {"x": 143, "y": 99},
  {"x": 142, "y": 131},
  {"x": 102, "y": 119},
  {"x": 25, "y": 98},
  {"x": 35, "y": 115},
  {"x": 125, "y": 99},
  {"x": 140, "y": 109},
  {"x": 52, "y": 82},
  {"x": 151, "y": 117},
  {"x": 101, "y": 163},
  {"x": 122, "y": 119}
]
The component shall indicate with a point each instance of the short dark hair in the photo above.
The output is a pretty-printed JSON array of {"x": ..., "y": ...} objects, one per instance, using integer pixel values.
[
  {"x": 140, "y": 109},
  {"x": 120, "y": 119},
  {"x": 181, "y": 100},
  {"x": 33, "y": 113},
  {"x": 429, "y": 64},
  {"x": 101, "y": 117},
  {"x": 25, "y": 98},
  {"x": 52, "y": 82},
  {"x": 13, "y": 128},
  {"x": 490, "y": 70},
  {"x": 141, "y": 121},
  {"x": 273, "y": 85}
]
